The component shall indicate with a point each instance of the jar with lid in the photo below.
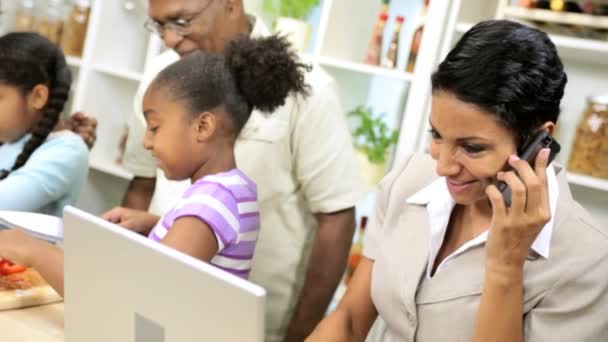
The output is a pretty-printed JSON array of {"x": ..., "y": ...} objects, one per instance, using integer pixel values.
[
  {"x": 24, "y": 16},
  {"x": 50, "y": 22},
  {"x": 76, "y": 28},
  {"x": 590, "y": 150}
]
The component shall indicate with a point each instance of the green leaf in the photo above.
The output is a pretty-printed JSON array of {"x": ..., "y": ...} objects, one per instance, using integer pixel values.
[
  {"x": 372, "y": 135},
  {"x": 298, "y": 9}
]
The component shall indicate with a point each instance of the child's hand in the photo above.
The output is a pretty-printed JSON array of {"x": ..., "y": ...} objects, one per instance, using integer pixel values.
[
  {"x": 138, "y": 221},
  {"x": 17, "y": 246}
]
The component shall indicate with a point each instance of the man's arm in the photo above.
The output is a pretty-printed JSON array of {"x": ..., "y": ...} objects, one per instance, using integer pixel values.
[
  {"x": 83, "y": 125},
  {"x": 325, "y": 269},
  {"x": 139, "y": 193}
]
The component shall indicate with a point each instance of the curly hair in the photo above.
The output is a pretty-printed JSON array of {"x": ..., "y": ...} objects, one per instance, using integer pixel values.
[
  {"x": 509, "y": 70},
  {"x": 26, "y": 60},
  {"x": 252, "y": 73}
]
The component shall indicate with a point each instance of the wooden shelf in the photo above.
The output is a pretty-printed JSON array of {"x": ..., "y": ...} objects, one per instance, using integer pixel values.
[
  {"x": 109, "y": 167},
  {"x": 365, "y": 69},
  {"x": 588, "y": 181},
  {"x": 568, "y": 18},
  {"x": 123, "y": 74}
]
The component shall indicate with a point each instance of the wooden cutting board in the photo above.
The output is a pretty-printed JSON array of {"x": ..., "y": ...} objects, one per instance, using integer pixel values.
[{"x": 40, "y": 293}]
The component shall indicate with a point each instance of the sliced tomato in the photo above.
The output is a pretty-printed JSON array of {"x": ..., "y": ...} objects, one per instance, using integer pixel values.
[
  {"x": 7, "y": 267},
  {"x": 13, "y": 269}
]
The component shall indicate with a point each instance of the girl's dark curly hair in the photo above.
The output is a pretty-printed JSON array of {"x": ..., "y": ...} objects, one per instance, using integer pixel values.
[
  {"x": 509, "y": 70},
  {"x": 26, "y": 60},
  {"x": 253, "y": 73}
]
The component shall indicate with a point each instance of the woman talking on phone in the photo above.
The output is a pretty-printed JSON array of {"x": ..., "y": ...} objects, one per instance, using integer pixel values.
[{"x": 446, "y": 259}]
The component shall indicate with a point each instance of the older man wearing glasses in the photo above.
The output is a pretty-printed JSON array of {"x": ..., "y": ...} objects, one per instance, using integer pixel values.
[{"x": 301, "y": 158}]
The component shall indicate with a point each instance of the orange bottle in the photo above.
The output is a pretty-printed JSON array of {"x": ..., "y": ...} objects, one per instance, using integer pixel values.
[
  {"x": 392, "y": 55},
  {"x": 415, "y": 47},
  {"x": 374, "y": 49}
]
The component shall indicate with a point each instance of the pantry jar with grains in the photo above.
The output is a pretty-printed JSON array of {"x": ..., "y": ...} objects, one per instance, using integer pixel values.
[
  {"x": 50, "y": 22},
  {"x": 76, "y": 28},
  {"x": 590, "y": 150},
  {"x": 24, "y": 16}
]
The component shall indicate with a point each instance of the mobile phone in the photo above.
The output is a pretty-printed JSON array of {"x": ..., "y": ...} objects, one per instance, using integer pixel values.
[{"x": 541, "y": 140}]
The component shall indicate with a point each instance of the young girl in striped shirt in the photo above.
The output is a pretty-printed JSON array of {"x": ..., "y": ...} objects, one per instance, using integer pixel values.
[{"x": 195, "y": 109}]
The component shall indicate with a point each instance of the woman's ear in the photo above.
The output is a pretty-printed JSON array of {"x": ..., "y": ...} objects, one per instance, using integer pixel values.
[
  {"x": 549, "y": 126},
  {"x": 205, "y": 125},
  {"x": 38, "y": 97}
]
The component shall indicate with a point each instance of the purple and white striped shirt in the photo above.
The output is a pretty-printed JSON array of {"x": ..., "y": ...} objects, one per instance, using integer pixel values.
[{"x": 227, "y": 202}]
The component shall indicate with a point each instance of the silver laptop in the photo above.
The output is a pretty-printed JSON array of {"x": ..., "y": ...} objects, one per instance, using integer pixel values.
[{"x": 122, "y": 287}]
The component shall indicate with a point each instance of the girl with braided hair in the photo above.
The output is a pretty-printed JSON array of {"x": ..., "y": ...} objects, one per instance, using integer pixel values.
[{"x": 42, "y": 168}]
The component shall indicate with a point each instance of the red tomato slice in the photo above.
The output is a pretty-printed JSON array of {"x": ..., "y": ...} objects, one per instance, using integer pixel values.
[{"x": 7, "y": 267}]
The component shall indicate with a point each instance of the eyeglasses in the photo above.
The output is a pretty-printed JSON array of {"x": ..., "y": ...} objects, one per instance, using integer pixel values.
[{"x": 182, "y": 27}]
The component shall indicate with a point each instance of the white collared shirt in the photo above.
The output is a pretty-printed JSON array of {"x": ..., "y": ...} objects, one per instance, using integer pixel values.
[{"x": 439, "y": 204}]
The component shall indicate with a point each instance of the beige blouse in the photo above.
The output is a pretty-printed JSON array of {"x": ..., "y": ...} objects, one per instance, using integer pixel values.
[{"x": 565, "y": 295}]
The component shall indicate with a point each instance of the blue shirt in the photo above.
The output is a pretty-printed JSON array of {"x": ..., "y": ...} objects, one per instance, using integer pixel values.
[{"x": 50, "y": 179}]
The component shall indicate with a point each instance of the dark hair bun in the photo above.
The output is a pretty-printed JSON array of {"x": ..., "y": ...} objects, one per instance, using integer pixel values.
[{"x": 266, "y": 70}]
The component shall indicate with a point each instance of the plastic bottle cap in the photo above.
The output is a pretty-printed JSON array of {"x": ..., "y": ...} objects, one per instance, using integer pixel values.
[
  {"x": 400, "y": 19},
  {"x": 384, "y": 16}
]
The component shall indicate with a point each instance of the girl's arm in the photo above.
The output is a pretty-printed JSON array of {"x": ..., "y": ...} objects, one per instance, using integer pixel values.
[
  {"x": 356, "y": 312},
  {"x": 22, "y": 249},
  {"x": 192, "y": 236}
]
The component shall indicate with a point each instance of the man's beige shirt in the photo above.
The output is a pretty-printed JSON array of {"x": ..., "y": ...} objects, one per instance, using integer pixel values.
[{"x": 302, "y": 159}]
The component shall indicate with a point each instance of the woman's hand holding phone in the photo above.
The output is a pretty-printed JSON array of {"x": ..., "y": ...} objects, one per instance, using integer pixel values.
[{"x": 514, "y": 228}]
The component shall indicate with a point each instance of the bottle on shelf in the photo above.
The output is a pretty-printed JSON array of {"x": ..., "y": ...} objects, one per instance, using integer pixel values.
[
  {"x": 527, "y": 3},
  {"x": 417, "y": 38},
  {"x": 565, "y": 6},
  {"x": 392, "y": 55},
  {"x": 374, "y": 49},
  {"x": 356, "y": 251},
  {"x": 590, "y": 149},
  {"x": 595, "y": 7},
  {"x": 50, "y": 23},
  {"x": 24, "y": 16},
  {"x": 542, "y": 4},
  {"x": 122, "y": 145},
  {"x": 72, "y": 42}
]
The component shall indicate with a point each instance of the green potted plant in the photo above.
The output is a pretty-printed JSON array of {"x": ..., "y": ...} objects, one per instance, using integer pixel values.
[
  {"x": 290, "y": 19},
  {"x": 373, "y": 140}
]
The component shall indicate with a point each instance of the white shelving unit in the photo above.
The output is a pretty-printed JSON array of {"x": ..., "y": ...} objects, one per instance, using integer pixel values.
[
  {"x": 124, "y": 74},
  {"x": 74, "y": 61},
  {"x": 588, "y": 181},
  {"x": 118, "y": 48},
  {"x": 374, "y": 71},
  {"x": 109, "y": 167},
  {"x": 585, "y": 61}
]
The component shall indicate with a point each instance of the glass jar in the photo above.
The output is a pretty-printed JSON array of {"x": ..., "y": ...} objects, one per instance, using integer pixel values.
[
  {"x": 50, "y": 23},
  {"x": 590, "y": 150},
  {"x": 24, "y": 16},
  {"x": 76, "y": 28}
]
